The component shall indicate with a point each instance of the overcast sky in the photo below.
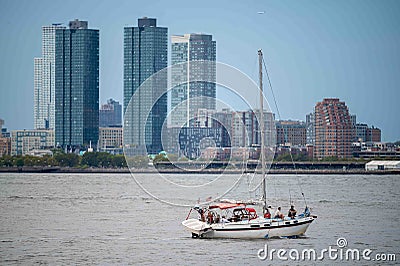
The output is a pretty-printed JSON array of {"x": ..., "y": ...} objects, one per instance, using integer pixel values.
[{"x": 314, "y": 49}]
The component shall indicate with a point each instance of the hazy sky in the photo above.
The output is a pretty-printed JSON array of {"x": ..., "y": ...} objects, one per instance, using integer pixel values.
[{"x": 348, "y": 49}]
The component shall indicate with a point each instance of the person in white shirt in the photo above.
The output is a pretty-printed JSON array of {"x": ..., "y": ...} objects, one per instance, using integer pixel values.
[{"x": 278, "y": 214}]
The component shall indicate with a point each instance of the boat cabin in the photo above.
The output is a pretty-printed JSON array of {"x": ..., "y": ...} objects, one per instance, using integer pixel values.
[{"x": 240, "y": 214}]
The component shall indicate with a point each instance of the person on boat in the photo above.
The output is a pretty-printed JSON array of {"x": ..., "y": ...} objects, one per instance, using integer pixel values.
[
  {"x": 292, "y": 212},
  {"x": 217, "y": 219},
  {"x": 201, "y": 214},
  {"x": 267, "y": 214},
  {"x": 307, "y": 212},
  {"x": 278, "y": 214},
  {"x": 224, "y": 220},
  {"x": 210, "y": 218}
]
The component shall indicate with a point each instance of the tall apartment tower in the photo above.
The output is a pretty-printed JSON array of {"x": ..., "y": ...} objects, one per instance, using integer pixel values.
[
  {"x": 334, "y": 129},
  {"x": 76, "y": 85},
  {"x": 189, "y": 95},
  {"x": 145, "y": 53},
  {"x": 44, "y": 81}
]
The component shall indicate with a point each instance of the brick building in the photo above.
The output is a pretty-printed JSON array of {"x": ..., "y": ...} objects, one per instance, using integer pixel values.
[{"x": 334, "y": 129}]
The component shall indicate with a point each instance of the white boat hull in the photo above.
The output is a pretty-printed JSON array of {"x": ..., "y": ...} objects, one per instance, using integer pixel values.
[{"x": 258, "y": 228}]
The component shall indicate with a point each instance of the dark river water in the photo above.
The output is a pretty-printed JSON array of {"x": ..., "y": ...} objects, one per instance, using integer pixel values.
[{"x": 107, "y": 219}]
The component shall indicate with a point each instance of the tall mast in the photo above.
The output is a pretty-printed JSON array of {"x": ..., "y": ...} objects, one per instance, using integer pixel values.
[{"x": 262, "y": 152}]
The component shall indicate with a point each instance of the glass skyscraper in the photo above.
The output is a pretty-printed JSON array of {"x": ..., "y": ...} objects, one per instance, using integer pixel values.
[
  {"x": 44, "y": 83},
  {"x": 192, "y": 95},
  {"x": 76, "y": 85},
  {"x": 145, "y": 53}
]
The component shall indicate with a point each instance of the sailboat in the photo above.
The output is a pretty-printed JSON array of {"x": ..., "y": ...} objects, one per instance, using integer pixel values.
[{"x": 241, "y": 219}]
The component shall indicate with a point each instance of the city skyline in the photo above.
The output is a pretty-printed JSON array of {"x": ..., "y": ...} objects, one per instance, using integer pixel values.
[{"x": 314, "y": 51}]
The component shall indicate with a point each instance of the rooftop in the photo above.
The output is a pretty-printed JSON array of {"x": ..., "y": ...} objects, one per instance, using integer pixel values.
[{"x": 386, "y": 163}]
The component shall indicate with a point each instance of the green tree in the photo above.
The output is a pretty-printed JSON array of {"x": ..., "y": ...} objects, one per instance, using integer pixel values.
[
  {"x": 300, "y": 157},
  {"x": 104, "y": 159},
  {"x": 29, "y": 160},
  {"x": 283, "y": 157},
  {"x": 118, "y": 161},
  {"x": 7, "y": 161},
  {"x": 49, "y": 161},
  {"x": 330, "y": 159},
  {"x": 160, "y": 158},
  {"x": 90, "y": 159},
  {"x": 67, "y": 159},
  {"x": 19, "y": 161},
  {"x": 138, "y": 161},
  {"x": 57, "y": 151}
]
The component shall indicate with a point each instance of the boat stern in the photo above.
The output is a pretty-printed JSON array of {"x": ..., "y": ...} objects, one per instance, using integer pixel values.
[{"x": 196, "y": 227}]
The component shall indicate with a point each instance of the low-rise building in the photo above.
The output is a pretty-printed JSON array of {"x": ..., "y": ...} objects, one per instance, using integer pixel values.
[
  {"x": 382, "y": 165},
  {"x": 367, "y": 134},
  {"x": 5, "y": 140},
  {"x": 291, "y": 132},
  {"x": 40, "y": 153},
  {"x": 24, "y": 141},
  {"x": 373, "y": 134},
  {"x": 111, "y": 140},
  {"x": 361, "y": 132},
  {"x": 5, "y": 146},
  {"x": 370, "y": 150},
  {"x": 233, "y": 153}
]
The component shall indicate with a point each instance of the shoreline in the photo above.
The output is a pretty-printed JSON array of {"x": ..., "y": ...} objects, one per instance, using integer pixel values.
[{"x": 66, "y": 170}]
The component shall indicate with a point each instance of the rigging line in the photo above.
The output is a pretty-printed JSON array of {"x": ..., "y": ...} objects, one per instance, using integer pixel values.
[
  {"x": 254, "y": 72},
  {"x": 256, "y": 190},
  {"x": 257, "y": 187},
  {"x": 279, "y": 115},
  {"x": 270, "y": 85},
  {"x": 248, "y": 185}
]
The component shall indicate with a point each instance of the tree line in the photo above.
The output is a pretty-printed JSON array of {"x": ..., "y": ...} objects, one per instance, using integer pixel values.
[
  {"x": 106, "y": 160},
  {"x": 89, "y": 159}
]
